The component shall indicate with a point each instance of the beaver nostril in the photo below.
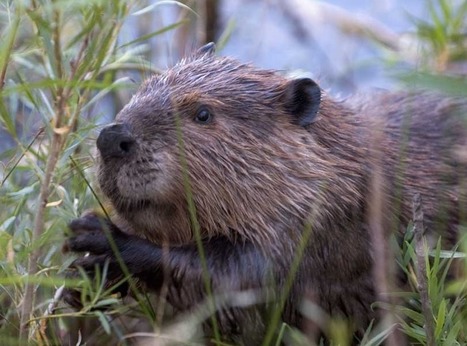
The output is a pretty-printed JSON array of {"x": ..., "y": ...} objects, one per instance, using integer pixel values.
[{"x": 125, "y": 146}]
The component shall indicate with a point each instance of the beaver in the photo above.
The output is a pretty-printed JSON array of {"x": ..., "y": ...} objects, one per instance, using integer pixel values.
[{"x": 271, "y": 176}]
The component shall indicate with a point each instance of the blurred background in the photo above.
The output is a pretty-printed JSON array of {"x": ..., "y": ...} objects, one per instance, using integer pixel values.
[
  {"x": 342, "y": 43},
  {"x": 347, "y": 44}
]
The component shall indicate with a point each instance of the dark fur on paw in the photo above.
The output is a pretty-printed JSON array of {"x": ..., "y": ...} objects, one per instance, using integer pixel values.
[
  {"x": 107, "y": 247},
  {"x": 93, "y": 235}
]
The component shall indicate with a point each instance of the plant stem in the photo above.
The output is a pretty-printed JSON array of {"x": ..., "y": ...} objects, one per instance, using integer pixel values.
[
  {"x": 28, "y": 299},
  {"x": 58, "y": 138},
  {"x": 382, "y": 270},
  {"x": 197, "y": 233},
  {"x": 420, "y": 269}
]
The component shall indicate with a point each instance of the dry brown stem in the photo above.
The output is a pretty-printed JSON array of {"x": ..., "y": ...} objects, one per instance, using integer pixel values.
[{"x": 382, "y": 272}]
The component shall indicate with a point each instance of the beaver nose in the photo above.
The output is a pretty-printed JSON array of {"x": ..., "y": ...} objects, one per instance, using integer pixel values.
[{"x": 115, "y": 141}]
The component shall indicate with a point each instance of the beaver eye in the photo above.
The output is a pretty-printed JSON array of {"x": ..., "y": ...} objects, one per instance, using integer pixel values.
[{"x": 203, "y": 116}]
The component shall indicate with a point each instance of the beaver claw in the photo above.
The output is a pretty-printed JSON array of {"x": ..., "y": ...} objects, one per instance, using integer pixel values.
[{"x": 94, "y": 234}]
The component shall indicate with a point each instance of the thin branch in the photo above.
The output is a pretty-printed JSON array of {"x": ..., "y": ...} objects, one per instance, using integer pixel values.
[
  {"x": 21, "y": 156},
  {"x": 37, "y": 231},
  {"x": 60, "y": 101},
  {"x": 50, "y": 310},
  {"x": 420, "y": 269},
  {"x": 58, "y": 138},
  {"x": 383, "y": 273}
]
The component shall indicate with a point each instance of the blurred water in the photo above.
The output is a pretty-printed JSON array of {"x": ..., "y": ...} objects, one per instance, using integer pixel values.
[{"x": 269, "y": 38}]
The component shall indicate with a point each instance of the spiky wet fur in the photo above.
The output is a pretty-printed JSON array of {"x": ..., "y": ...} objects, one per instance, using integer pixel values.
[{"x": 258, "y": 178}]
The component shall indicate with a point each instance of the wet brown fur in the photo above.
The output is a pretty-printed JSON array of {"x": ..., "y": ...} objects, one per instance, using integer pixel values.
[{"x": 258, "y": 177}]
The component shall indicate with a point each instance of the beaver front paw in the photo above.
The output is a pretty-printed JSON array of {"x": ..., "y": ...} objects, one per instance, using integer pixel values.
[
  {"x": 108, "y": 250},
  {"x": 103, "y": 243}
]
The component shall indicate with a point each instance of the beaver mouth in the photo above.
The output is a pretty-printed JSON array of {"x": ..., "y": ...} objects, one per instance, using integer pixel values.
[{"x": 129, "y": 206}]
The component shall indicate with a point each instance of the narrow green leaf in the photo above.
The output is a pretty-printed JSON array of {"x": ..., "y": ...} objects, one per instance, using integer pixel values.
[
  {"x": 24, "y": 191},
  {"x": 115, "y": 85},
  {"x": 225, "y": 36},
  {"x": 379, "y": 338},
  {"x": 163, "y": 2},
  {"x": 446, "y": 8},
  {"x": 8, "y": 39},
  {"x": 155, "y": 33},
  {"x": 440, "y": 319},
  {"x": 6, "y": 119},
  {"x": 106, "y": 302},
  {"x": 104, "y": 322},
  {"x": 7, "y": 223},
  {"x": 453, "y": 334},
  {"x": 413, "y": 315},
  {"x": 448, "y": 254}
]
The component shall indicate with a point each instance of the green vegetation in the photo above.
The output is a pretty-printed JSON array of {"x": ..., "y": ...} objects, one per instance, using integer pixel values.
[{"x": 58, "y": 60}]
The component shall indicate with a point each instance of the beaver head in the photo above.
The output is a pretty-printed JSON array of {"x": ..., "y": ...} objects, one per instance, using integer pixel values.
[{"x": 239, "y": 142}]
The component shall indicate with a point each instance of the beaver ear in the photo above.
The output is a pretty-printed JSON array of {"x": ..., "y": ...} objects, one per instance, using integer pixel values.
[
  {"x": 207, "y": 49},
  {"x": 302, "y": 99}
]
